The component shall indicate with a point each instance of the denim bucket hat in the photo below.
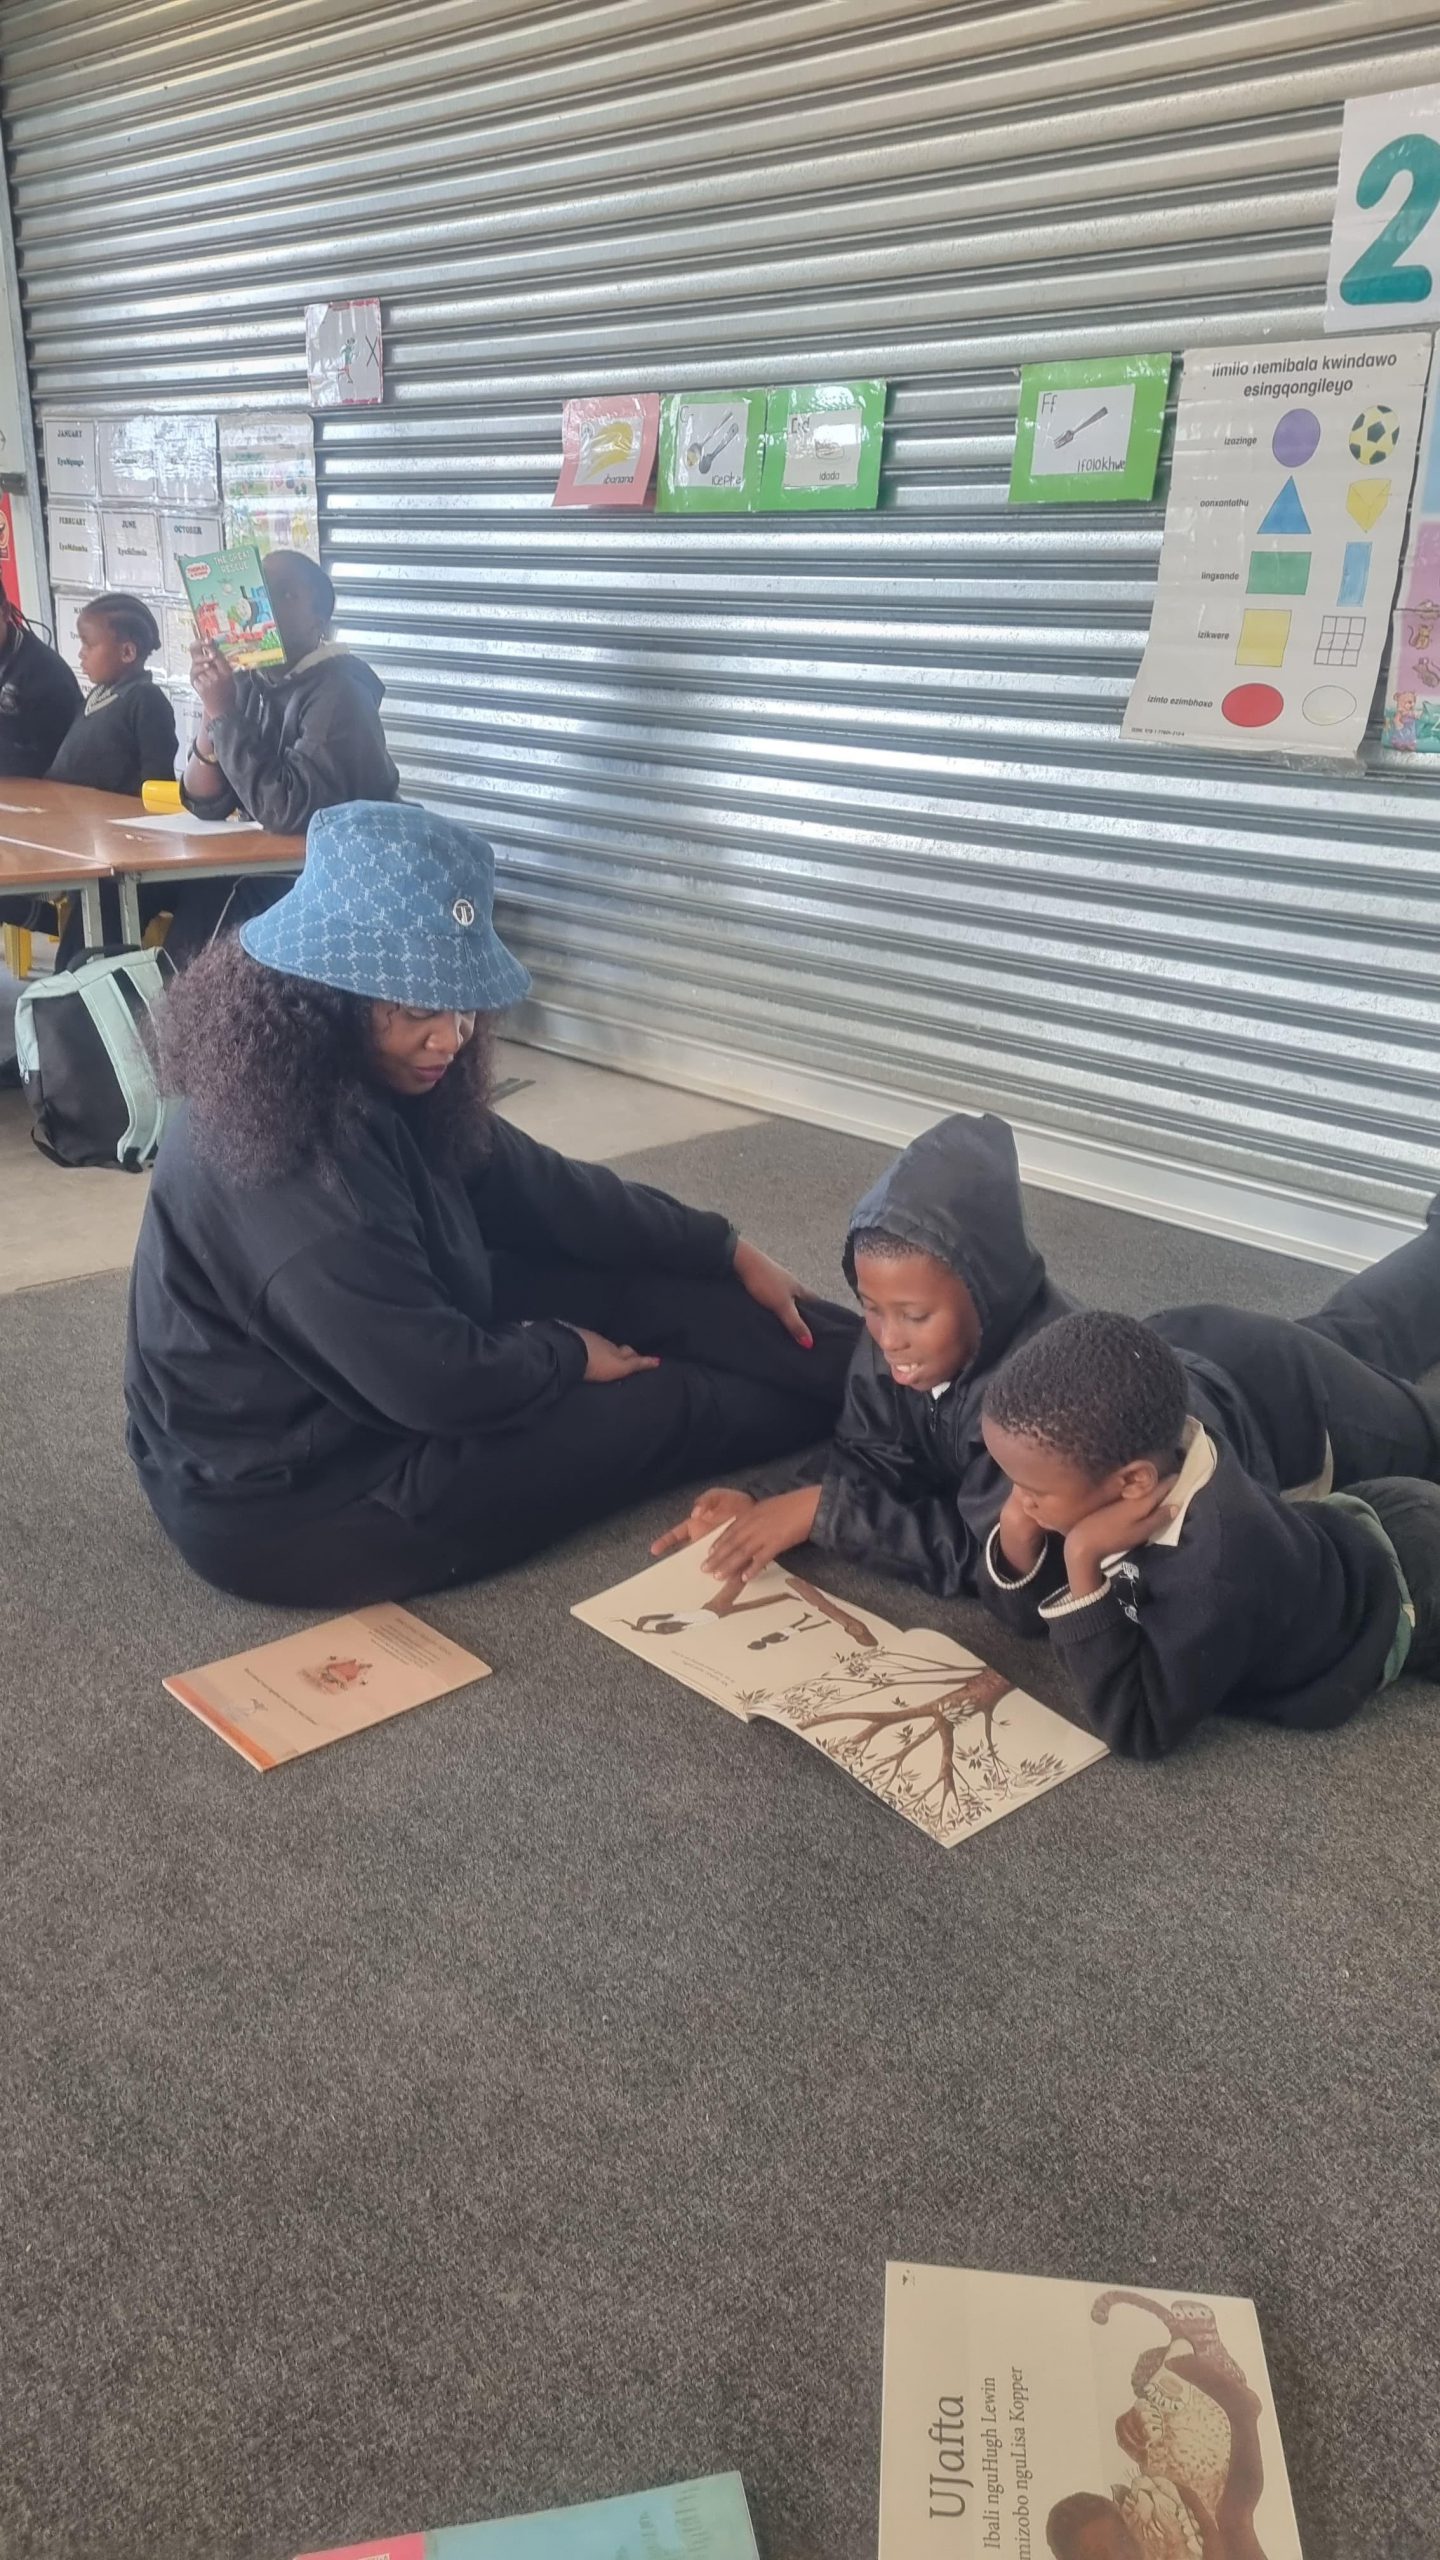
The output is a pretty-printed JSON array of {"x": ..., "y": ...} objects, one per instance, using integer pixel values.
[{"x": 393, "y": 902}]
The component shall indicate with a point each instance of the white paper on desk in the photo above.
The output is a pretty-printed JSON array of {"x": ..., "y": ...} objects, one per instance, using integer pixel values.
[{"x": 179, "y": 822}]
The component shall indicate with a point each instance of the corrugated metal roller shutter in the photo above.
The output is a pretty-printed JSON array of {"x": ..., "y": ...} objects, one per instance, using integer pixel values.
[{"x": 845, "y": 796}]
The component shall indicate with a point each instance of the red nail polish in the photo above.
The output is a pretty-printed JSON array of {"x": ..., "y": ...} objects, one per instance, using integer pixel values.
[{"x": 807, "y": 1341}]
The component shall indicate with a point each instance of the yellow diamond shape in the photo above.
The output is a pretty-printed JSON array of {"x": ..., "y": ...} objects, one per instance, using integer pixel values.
[{"x": 1366, "y": 501}]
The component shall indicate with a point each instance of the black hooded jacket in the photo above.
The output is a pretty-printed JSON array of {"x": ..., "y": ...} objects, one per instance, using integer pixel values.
[
  {"x": 301, "y": 739},
  {"x": 909, "y": 1484}
]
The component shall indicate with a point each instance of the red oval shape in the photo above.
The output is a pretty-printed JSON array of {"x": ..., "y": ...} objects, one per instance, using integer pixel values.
[{"x": 1252, "y": 706}]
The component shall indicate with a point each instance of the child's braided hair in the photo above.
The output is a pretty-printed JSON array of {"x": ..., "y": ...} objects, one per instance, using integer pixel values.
[{"x": 1100, "y": 1389}]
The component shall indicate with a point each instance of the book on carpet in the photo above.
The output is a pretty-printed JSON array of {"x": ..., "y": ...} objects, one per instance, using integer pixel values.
[
  {"x": 696, "y": 2520},
  {"x": 280, "y": 1700},
  {"x": 923, "y": 1723},
  {"x": 232, "y": 608},
  {"x": 1027, "y": 2415}
]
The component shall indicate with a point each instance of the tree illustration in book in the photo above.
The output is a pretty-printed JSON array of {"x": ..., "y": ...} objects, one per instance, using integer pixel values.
[{"x": 925, "y": 1725}]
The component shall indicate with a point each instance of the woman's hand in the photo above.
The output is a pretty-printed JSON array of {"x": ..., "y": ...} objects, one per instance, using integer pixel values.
[
  {"x": 1022, "y": 1540},
  {"x": 1111, "y": 1532},
  {"x": 607, "y": 1361},
  {"x": 212, "y": 679},
  {"x": 761, "y": 1532},
  {"x": 770, "y": 1285},
  {"x": 723, "y": 1502}
]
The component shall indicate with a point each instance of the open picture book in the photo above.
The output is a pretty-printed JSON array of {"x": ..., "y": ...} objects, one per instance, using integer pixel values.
[
  {"x": 924, "y": 1724},
  {"x": 1028, "y": 2415}
]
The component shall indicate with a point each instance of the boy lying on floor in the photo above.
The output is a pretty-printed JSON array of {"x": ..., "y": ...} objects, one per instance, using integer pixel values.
[
  {"x": 1170, "y": 1584},
  {"x": 950, "y": 1283}
]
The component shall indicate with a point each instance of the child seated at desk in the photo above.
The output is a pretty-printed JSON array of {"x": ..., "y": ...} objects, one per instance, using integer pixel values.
[
  {"x": 1171, "y": 1585},
  {"x": 125, "y": 733}
]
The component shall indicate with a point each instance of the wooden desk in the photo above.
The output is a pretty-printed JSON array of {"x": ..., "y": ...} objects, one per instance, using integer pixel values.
[
  {"x": 82, "y": 837},
  {"x": 45, "y": 855},
  {"x": 201, "y": 853}
]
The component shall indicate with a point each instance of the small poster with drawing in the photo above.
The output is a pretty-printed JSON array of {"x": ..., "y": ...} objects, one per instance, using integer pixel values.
[
  {"x": 344, "y": 354},
  {"x": 711, "y": 444},
  {"x": 1029, "y": 2414},
  {"x": 919, "y": 1721},
  {"x": 608, "y": 448},
  {"x": 281, "y": 1700},
  {"x": 822, "y": 446},
  {"x": 1089, "y": 428}
]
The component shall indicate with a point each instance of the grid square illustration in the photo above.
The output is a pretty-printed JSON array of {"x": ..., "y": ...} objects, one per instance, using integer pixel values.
[{"x": 1342, "y": 637}]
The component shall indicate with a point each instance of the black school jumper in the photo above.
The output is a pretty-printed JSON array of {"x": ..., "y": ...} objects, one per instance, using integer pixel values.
[
  {"x": 909, "y": 1485},
  {"x": 1246, "y": 1605},
  {"x": 358, "y": 1389},
  {"x": 125, "y": 735}
]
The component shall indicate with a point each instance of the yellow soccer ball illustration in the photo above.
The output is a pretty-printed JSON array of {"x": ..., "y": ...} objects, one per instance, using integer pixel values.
[{"x": 1374, "y": 434}]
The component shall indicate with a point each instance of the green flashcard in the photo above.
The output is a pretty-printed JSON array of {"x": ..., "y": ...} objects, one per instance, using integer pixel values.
[
  {"x": 822, "y": 446},
  {"x": 1089, "y": 429},
  {"x": 711, "y": 443}
]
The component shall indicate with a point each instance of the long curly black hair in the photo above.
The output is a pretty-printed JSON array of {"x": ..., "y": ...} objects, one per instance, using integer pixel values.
[{"x": 277, "y": 1071}]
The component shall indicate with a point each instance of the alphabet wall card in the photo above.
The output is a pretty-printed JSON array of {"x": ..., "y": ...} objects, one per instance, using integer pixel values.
[
  {"x": 1089, "y": 430},
  {"x": 1029, "y": 2414},
  {"x": 1412, "y": 705},
  {"x": 1288, "y": 490},
  {"x": 132, "y": 550},
  {"x": 71, "y": 463},
  {"x": 280, "y": 1700},
  {"x": 823, "y": 445},
  {"x": 1385, "y": 242},
  {"x": 926, "y": 1726},
  {"x": 344, "y": 356},
  {"x": 711, "y": 447},
  {"x": 184, "y": 538},
  {"x": 77, "y": 557},
  {"x": 608, "y": 448}
]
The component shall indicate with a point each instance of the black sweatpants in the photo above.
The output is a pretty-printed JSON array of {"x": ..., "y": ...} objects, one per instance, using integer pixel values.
[
  {"x": 1345, "y": 1374},
  {"x": 732, "y": 1389}
]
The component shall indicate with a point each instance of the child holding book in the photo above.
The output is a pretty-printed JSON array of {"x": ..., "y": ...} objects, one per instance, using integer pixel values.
[
  {"x": 1171, "y": 1585},
  {"x": 124, "y": 735},
  {"x": 949, "y": 1283}
]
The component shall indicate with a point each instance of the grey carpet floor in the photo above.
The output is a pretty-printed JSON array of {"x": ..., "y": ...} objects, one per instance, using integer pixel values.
[{"x": 519, "y": 2103}]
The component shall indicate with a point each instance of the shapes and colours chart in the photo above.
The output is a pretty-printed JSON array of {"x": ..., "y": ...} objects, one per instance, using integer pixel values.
[{"x": 1288, "y": 496}]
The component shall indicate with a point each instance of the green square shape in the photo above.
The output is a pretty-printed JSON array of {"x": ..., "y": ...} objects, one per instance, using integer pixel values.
[
  {"x": 805, "y": 468},
  {"x": 1278, "y": 573},
  {"x": 1146, "y": 380},
  {"x": 695, "y": 444}
]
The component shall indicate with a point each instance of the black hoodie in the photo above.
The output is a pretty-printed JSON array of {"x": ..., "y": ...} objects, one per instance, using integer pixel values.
[
  {"x": 304, "y": 738},
  {"x": 39, "y": 698},
  {"x": 909, "y": 1484}
]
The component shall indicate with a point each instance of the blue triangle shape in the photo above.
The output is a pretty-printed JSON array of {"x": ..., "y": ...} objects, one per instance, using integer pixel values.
[{"x": 1286, "y": 514}]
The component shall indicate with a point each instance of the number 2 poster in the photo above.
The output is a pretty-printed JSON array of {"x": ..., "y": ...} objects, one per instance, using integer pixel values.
[{"x": 1288, "y": 496}]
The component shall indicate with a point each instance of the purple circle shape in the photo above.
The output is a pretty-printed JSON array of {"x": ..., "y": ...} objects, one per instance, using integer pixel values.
[{"x": 1296, "y": 437}]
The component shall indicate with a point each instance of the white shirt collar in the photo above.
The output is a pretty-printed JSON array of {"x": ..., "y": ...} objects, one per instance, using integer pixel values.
[{"x": 1196, "y": 1469}]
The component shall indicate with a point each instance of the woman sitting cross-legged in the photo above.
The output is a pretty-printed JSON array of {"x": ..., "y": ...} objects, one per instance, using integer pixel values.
[{"x": 379, "y": 1340}]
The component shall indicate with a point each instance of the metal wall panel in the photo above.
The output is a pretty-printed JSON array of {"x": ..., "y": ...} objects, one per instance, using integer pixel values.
[{"x": 842, "y": 795}]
